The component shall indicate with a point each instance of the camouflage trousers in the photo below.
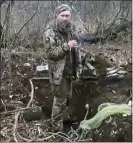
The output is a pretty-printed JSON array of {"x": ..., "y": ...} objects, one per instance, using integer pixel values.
[{"x": 61, "y": 95}]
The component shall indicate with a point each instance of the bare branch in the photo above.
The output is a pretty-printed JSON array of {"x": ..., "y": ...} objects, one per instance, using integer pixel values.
[
  {"x": 16, "y": 36},
  {"x": 13, "y": 111},
  {"x": 115, "y": 17},
  {"x": 17, "y": 115}
]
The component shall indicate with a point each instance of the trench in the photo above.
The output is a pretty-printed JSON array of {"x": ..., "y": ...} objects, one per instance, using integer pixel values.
[{"x": 92, "y": 92}]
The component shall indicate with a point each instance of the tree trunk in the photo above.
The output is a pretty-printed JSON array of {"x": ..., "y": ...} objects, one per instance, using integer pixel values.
[{"x": 1, "y": 28}]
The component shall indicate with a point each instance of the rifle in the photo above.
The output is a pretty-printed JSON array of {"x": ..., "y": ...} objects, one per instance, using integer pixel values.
[
  {"x": 73, "y": 63},
  {"x": 74, "y": 58}
]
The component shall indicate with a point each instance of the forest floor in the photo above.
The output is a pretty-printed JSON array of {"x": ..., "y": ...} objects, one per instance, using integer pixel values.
[{"x": 116, "y": 128}]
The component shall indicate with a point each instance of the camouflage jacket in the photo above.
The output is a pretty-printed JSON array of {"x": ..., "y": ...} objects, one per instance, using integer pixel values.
[{"x": 57, "y": 51}]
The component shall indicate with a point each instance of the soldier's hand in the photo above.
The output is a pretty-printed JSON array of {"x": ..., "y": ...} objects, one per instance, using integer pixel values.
[{"x": 73, "y": 44}]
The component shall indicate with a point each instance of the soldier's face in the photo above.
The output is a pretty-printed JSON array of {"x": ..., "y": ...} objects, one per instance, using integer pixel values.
[{"x": 64, "y": 17}]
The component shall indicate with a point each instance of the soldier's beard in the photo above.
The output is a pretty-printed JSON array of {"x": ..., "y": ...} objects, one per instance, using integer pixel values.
[
  {"x": 63, "y": 24},
  {"x": 64, "y": 27}
]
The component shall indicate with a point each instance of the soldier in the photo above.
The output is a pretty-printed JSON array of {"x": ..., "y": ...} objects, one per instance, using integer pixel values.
[{"x": 59, "y": 38}]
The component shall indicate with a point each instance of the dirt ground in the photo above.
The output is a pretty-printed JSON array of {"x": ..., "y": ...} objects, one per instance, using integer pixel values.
[{"x": 115, "y": 128}]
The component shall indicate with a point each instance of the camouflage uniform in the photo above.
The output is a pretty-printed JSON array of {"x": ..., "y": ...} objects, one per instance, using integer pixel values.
[{"x": 57, "y": 51}]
